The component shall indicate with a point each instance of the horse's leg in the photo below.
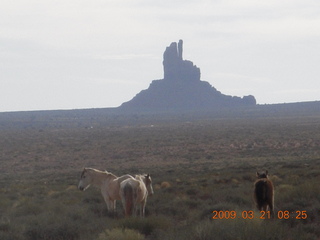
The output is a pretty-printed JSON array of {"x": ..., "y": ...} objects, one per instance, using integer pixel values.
[
  {"x": 106, "y": 199},
  {"x": 135, "y": 203},
  {"x": 271, "y": 209},
  {"x": 142, "y": 208},
  {"x": 123, "y": 200},
  {"x": 134, "y": 209},
  {"x": 113, "y": 205},
  {"x": 272, "y": 204},
  {"x": 264, "y": 207},
  {"x": 109, "y": 205}
]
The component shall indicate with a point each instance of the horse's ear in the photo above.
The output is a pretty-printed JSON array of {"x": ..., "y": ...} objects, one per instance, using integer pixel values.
[
  {"x": 83, "y": 171},
  {"x": 148, "y": 175},
  {"x": 258, "y": 174},
  {"x": 266, "y": 172}
]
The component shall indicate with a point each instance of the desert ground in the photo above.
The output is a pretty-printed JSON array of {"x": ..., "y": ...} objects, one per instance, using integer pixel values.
[{"x": 202, "y": 170}]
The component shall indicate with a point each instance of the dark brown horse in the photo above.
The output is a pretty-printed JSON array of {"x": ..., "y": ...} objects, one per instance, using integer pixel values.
[{"x": 263, "y": 193}]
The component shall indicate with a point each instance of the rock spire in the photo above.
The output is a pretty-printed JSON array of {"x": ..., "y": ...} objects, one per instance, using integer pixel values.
[
  {"x": 177, "y": 69},
  {"x": 181, "y": 89}
]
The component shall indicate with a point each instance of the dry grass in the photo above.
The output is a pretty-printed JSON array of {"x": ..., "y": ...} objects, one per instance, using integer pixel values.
[{"x": 196, "y": 167}]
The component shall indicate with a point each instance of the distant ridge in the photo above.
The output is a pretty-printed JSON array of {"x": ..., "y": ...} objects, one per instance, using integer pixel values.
[
  {"x": 181, "y": 89},
  {"x": 112, "y": 117}
]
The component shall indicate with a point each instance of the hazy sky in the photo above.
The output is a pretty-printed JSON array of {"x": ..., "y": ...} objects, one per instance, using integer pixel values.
[{"x": 70, "y": 54}]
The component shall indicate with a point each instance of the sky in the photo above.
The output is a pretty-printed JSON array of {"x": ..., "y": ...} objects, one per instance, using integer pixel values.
[{"x": 75, "y": 54}]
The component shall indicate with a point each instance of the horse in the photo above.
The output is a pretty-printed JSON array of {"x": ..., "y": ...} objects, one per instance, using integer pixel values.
[
  {"x": 134, "y": 193},
  {"x": 106, "y": 181},
  {"x": 264, "y": 193}
]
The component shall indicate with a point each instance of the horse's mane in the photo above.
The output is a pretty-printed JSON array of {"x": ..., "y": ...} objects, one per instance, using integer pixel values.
[
  {"x": 141, "y": 176},
  {"x": 99, "y": 171},
  {"x": 92, "y": 169}
]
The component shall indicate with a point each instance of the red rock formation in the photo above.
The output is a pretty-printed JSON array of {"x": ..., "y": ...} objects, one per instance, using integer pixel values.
[{"x": 181, "y": 89}]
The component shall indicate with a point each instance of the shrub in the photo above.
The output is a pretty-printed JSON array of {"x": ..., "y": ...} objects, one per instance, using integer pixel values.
[
  {"x": 52, "y": 232},
  {"x": 8, "y": 230},
  {"x": 145, "y": 225},
  {"x": 241, "y": 229},
  {"x": 51, "y": 226},
  {"x": 121, "y": 234}
]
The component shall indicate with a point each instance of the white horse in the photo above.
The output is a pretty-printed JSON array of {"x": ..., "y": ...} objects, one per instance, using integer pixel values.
[
  {"x": 106, "y": 181},
  {"x": 134, "y": 193}
]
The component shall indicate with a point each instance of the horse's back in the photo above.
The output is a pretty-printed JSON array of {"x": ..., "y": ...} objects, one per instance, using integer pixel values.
[
  {"x": 263, "y": 192},
  {"x": 128, "y": 182},
  {"x": 260, "y": 190},
  {"x": 123, "y": 177}
]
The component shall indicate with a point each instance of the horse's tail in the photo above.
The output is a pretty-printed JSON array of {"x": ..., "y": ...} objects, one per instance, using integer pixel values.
[
  {"x": 261, "y": 193},
  {"x": 128, "y": 196}
]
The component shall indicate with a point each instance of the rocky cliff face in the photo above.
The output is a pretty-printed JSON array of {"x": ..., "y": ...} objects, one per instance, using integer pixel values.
[
  {"x": 177, "y": 69},
  {"x": 182, "y": 89}
]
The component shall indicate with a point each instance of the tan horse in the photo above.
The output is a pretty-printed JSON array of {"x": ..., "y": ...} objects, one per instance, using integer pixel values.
[
  {"x": 106, "y": 181},
  {"x": 134, "y": 193},
  {"x": 264, "y": 193}
]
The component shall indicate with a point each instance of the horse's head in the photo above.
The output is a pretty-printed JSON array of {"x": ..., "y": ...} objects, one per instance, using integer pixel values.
[
  {"x": 262, "y": 175},
  {"x": 85, "y": 179},
  {"x": 148, "y": 183}
]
